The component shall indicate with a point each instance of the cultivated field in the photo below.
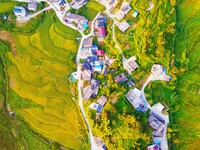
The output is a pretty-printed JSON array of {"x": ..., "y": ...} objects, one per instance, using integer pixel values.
[
  {"x": 38, "y": 73},
  {"x": 91, "y": 9}
]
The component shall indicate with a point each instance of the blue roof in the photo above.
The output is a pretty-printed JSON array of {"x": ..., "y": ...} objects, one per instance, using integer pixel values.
[
  {"x": 85, "y": 25},
  {"x": 104, "y": 147},
  {"x": 99, "y": 108},
  {"x": 92, "y": 58},
  {"x": 17, "y": 10},
  {"x": 101, "y": 24},
  {"x": 135, "y": 13},
  {"x": 87, "y": 65},
  {"x": 165, "y": 71},
  {"x": 94, "y": 46}
]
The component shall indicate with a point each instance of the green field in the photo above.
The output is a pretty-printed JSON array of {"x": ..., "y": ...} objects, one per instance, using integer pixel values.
[
  {"x": 91, "y": 9},
  {"x": 37, "y": 74},
  {"x": 188, "y": 49},
  {"x": 5, "y": 6}
]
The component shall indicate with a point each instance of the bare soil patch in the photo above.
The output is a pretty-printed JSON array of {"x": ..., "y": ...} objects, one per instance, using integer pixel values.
[{"x": 6, "y": 36}]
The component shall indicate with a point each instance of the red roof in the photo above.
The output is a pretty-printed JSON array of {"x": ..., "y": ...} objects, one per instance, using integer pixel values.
[
  {"x": 100, "y": 52},
  {"x": 102, "y": 31},
  {"x": 152, "y": 147}
]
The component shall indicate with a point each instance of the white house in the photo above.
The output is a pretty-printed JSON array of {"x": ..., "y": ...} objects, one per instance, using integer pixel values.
[
  {"x": 130, "y": 64},
  {"x": 19, "y": 11},
  {"x": 32, "y": 5},
  {"x": 123, "y": 26}
]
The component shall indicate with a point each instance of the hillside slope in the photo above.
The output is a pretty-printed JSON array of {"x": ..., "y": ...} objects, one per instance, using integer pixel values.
[{"x": 187, "y": 58}]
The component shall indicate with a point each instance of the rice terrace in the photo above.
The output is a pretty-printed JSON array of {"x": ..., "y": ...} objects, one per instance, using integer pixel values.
[{"x": 99, "y": 74}]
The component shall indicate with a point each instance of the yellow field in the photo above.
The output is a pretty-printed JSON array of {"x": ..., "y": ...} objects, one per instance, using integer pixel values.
[{"x": 39, "y": 72}]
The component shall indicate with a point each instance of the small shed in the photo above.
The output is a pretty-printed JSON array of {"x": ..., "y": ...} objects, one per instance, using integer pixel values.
[
  {"x": 98, "y": 68},
  {"x": 135, "y": 14}
]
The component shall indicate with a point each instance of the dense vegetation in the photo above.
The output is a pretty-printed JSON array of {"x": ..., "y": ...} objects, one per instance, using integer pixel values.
[
  {"x": 168, "y": 35},
  {"x": 187, "y": 58}
]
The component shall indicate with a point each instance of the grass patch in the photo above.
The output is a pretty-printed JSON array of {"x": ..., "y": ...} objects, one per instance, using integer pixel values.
[{"x": 90, "y": 10}]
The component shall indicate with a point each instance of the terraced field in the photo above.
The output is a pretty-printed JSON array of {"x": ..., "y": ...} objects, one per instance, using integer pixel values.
[
  {"x": 37, "y": 73},
  {"x": 188, "y": 48}
]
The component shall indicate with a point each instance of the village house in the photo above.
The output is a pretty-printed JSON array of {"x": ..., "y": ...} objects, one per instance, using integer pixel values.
[
  {"x": 120, "y": 78},
  {"x": 155, "y": 123},
  {"x": 98, "y": 106},
  {"x": 77, "y": 4},
  {"x": 160, "y": 72},
  {"x": 135, "y": 13},
  {"x": 130, "y": 83},
  {"x": 105, "y": 69},
  {"x": 130, "y": 64},
  {"x": 134, "y": 96},
  {"x": 95, "y": 84},
  {"x": 86, "y": 75},
  {"x": 110, "y": 3},
  {"x": 100, "y": 29},
  {"x": 102, "y": 100},
  {"x": 125, "y": 8},
  {"x": 153, "y": 147},
  {"x": 157, "y": 69},
  {"x": 88, "y": 48},
  {"x": 100, "y": 53},
  {"x": 87, "y": 92},
  {"x": 100, "y": 144},
  {"x": 61, "y": 2},
  {"x": 94, "y": 49},
  {"x": 19, "y": 11},
  {"x": 87, "y": 43},
  {"x": 32, "y": 5},
  {"x": 91, "y": 90},
  {"x": 159, "y": 107},
  {"x": 80, "y": 21},
  {"x": 123, "y": 26}
]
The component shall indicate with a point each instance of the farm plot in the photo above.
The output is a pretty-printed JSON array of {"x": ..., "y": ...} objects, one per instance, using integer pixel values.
[
  {"x": 39, "y": 72},
  {"x": 91, "y": 9}
]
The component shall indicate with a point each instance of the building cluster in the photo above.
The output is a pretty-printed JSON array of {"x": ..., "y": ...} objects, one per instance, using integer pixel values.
[
  {"x": 136, "y": 98},
  {"x": 21, "y": 11},
  {"x": 79, "y": 21},
  {"x": 100, "y": 28},
  {"x": 125, "y": 8},
  {"x": 95, "y": 60},
  {"x": 98, "y": 106},
  {"x": 77, "y": 4},
  {"x": 157, "y": 123}
]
